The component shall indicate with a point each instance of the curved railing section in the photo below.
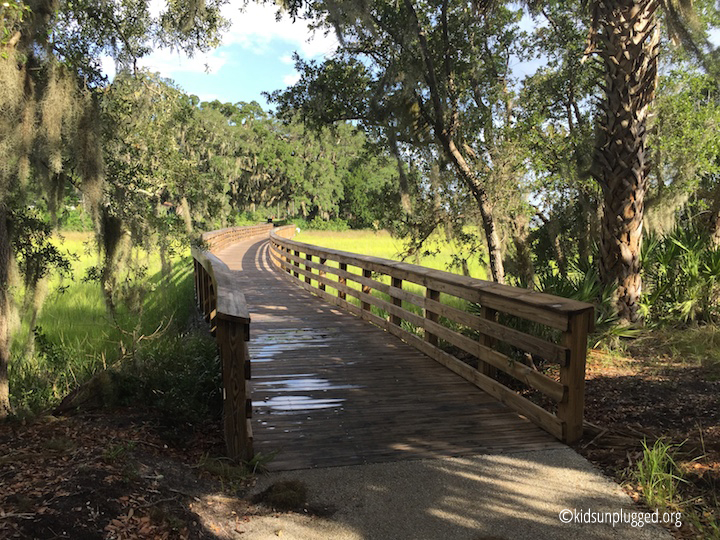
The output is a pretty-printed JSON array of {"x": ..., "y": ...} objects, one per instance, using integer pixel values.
[
  {"x": 226, "y": 311},
  {"x": 562, "y": 411}
]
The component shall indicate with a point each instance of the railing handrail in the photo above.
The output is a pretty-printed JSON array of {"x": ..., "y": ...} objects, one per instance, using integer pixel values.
[
  {"x": 220, "y": 238},
  {"x": 484, "y": 290},
  {"x": 230, "y": 304},
  {"x": 226, "y": 310},
  {"x": 573, "y": 318}
]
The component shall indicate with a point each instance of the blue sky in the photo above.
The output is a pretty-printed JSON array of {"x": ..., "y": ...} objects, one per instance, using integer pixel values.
[{"x": 256, "y": 56}]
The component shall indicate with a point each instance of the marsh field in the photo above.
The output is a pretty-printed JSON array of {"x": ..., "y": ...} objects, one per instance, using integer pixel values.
[{"x": 437, "y": 253}]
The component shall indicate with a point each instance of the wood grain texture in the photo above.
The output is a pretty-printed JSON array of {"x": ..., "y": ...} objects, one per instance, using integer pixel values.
[
  {"x": 331, "y": 389},
  {"x": 574, "y": 318}
]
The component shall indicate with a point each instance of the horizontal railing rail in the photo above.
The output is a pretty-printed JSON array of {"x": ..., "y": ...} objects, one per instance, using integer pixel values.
[
  {"x": 222, "y": 238},
  {"x": 225, "y": 309},
  {"x": 310, "y": 266}
]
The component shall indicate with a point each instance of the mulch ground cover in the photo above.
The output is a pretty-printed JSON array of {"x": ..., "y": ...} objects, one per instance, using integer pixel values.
[
  {"x": 119, "y": 474},
  {"x": 634, "y": 399}
]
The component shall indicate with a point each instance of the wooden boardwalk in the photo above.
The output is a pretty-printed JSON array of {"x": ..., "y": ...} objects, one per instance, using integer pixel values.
[{"x": 330, "y": 389}]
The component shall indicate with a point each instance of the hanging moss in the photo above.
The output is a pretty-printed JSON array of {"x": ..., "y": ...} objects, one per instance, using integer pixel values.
[
  {"x": 11, "y": 115},
  {"x": 90, "y": 166}
]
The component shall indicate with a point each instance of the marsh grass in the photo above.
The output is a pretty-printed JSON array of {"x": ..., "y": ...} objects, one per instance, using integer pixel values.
[
  {"x": 74, "y": 336},
  {"x": 439, "y": 255}
]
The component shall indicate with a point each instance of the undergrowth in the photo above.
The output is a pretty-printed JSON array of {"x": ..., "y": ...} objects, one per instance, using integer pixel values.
[
  {"x": 657, "y": 474},
  {"x": 149, "y": 353},
  {"x": 660, "y": 479}
]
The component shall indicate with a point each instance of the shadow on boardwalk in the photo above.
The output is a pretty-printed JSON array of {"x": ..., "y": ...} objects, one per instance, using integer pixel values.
[{"x": 330, "y": 389}]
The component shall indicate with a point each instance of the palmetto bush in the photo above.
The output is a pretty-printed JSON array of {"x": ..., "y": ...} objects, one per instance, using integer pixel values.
[
  {"x": 583, "y": 284},
  {"x": 681, "y": 278}
]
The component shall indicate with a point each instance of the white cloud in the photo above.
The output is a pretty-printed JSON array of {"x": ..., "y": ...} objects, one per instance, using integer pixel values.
[
  {"x": 291, "y": 79},
  {"x": 107, "y": 64},
  {"x": 252, "y": 28},
  {"x": 256, "y": 26},
  {"x": 168, "y": 63}
]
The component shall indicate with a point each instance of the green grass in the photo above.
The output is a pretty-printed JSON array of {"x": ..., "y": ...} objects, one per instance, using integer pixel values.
[
  {"x": 437, "y": 254},
  {"x": 657, "y": 474},
  {"x": 77, "y": 338}
]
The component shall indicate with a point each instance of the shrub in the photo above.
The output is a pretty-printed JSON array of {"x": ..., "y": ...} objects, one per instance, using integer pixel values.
[
  {"x": 319, "y": 224},
  {"x": 681, "y": 277}
]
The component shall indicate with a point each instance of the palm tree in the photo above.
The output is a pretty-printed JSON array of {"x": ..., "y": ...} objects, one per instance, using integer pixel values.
[
  {"x": 627, "y": 39},
  {"x": 626, "y": 35}
]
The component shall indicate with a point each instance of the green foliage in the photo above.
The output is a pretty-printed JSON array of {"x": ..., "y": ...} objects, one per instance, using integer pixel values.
[
  {"x": 582, "y": 283},
  {"x": 178, "y": 373},
  {"x": 75, "y": 219},
  {"x": 317, "y": 224},
  {"x": 36, "y": 255},
  {"x": 682, "y": 277},
  {"x": 658, "y": 475}
]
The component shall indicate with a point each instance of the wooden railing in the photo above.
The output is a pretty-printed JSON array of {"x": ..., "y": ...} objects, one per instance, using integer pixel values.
[
  {"x": 226, "y": 311},
  {"x": 562, "y": 417},
  {"x": 217, "y": 240}
]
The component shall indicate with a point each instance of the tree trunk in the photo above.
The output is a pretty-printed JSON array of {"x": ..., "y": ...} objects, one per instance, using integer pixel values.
[
  {"x": 628, "y": 37},
  {"x": 486, "y": 211},
  {"x": 585, "y": 233},
  {"x": 715, "y": 220},
  {"x": 5, "y": 312},
  {"x": 184, "y": 211},
  {"x": 553, "y": 228},
  {"x": 523, "y": 253}
]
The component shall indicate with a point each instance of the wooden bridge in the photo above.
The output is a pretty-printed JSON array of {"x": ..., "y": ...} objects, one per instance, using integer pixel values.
[{"x": 403, "y": 373}]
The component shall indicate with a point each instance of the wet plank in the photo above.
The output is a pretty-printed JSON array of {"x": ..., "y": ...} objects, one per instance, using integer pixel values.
[{"x": 330, "y": 389}]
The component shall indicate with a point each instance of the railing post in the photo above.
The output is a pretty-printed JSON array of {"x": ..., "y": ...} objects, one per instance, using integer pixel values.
[
  {"x": 366, "y": 289},
  {"x": 431, "y": 338},
  {"x": 342, "y": 280},
  {"x": 206, "y": 295},
  {"x": 321, "y": 273},
  {"x": 484, "y": 367},
  {"x": 275, "y": 252},
  {"x": 296, "y": 263},
  {"x": 395, "y": 319},
  {"x": 212, "y": 313},
  {"x": 196, "y": 276},
  {"x": 232, "y": 341},
  {"x": 308, "y": 257},
  {"x": 287, "y": 259},
  {"x": 572, "y": 376}
]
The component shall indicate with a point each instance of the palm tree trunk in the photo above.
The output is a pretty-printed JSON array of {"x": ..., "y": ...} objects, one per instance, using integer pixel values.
[{"x": 628, "y": 42}]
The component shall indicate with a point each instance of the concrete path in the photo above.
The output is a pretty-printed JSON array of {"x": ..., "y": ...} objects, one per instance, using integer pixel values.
[{"x": 488, "y": 497}]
